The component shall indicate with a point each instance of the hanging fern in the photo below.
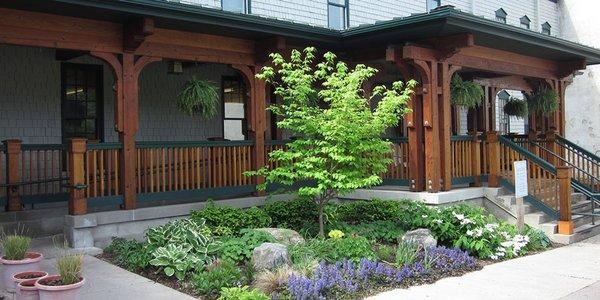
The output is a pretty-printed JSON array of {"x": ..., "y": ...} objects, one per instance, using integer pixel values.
[
  {"x": 516, "y": 107},
  {"x": 465, "y": 93},
  {"x": 543, "y": 101},
  {"x": 199, "y": 97}
]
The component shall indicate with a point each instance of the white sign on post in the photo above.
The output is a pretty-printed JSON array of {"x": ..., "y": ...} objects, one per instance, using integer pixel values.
[
  {"x": 521, "y": 179},
  {"x": 521, "y": 191}
]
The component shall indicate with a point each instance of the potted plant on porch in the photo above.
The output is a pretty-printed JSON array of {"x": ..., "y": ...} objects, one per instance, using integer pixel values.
[
  {"x": 465, "y": 93},
  {"x": 543, "y": 100},
  {"x": 516, "y": 107},
  {"x": 69, "y": 281},
  {"x": 25, "y": 284},
  {"x": 199, "y": 97},
  {"x": 17, "y": 259}
]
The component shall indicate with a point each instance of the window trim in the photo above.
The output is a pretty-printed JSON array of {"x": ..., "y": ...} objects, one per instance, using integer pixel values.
[
  {"x": 247, "y": 7},
  {"x": 241, "y": 79},
  {"x": 346, "y": 7},
  {"x": 501, "y": 14},
  {"x": 524, "y": 20},
  {"x": 546, "y": 25},
  {"x": 99, "y": 96}
]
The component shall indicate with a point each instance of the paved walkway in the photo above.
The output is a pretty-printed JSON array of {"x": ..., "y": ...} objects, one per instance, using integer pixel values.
[
  {"x": 105, "y": 281},
  {"x": 570, "y": 272}
]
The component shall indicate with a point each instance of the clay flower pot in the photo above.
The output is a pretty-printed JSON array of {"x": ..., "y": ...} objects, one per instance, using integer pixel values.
[
  {"x": 31, "y": 262},
  {"x": 26, "y": 290},
  {"x": 48, "y": 291},
  {"x": 27, "y": 276}
]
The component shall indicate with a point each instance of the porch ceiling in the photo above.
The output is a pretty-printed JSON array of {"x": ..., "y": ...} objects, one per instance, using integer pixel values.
[{"x": 444, "y": 21}]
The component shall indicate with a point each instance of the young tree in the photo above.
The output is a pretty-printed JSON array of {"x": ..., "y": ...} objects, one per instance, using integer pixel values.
[{"x": 339, "y": 146}]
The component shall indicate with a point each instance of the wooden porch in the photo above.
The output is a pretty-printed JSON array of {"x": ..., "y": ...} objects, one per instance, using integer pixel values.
[{"x": 429, "y": 155}]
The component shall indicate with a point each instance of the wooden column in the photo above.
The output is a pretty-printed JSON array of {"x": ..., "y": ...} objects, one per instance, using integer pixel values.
[
  {"x": 77, "y": 200},
  {"x": 565, "y": 222},
  {"x": 552, "y": 146},
  {"x": 493, "y": 157},
  {"x": 431, "y": 123},
  {"x": 475, "y": 158},
  {"x": 13, "y": 174},
  {"x": 126, "y": 70},
  {"x": 445, "y": 125}
]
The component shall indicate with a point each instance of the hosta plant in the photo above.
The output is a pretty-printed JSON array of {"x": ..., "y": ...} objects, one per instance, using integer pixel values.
[{"x": 178, "y": 260}]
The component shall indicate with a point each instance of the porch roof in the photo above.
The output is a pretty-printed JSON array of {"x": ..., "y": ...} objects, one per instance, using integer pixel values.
[{"x": 443, "y": 21}]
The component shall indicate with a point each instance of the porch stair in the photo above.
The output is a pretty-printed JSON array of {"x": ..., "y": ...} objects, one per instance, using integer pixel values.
[{"x": 585, "y": 225}]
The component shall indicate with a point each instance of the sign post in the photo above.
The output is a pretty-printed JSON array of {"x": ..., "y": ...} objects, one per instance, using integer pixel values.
[{"x": 521, "y": 190}]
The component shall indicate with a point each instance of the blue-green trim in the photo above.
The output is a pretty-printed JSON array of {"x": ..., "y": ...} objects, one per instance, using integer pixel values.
[
  {"x": 38, "y": 147},
  {"x": 104, "y": 146},
  {"x": 532, "y": 157},
  {"x": 105, "y": 201},
  {"x": 185, "y": 144},
  {"x": 3, "y": 201},
  {"x": 461, "y": 138},
  {"x": 45, "y": 198},
  {"x": 531, "y": 199},
  {"x": 397, "y": 140},
  {"x": 463, "y": 180},
  {"x": 277, "y": 142},
  {"x": 398, "y": 182},
  {"x": 200, "y": 194},
  {"x": 593, "y": 157}
]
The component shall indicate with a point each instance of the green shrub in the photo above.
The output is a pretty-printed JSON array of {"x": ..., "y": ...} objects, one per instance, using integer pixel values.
[
  {"x": 379, "y": 231},
  {"x": 15, "y": 246},
  {"x": 538, "y": 240},
  {"x": 332, "y": 250},
  {"x": 357, "y": 212},
  {"x": 225, "y": 274},
  {"x": 242, "y": 293},
  {"x": 129, "y": 254},
  {"x": 239, "y": 249},
  {"x": 180, "y": 246},
  {"x": 230, "y": 220},
  {"x": 298, "y": 214},
  {"x": 385, "y": 253}
]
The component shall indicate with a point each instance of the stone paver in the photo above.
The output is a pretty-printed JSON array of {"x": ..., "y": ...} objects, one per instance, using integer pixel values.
[{"x": 570, "y": 272}]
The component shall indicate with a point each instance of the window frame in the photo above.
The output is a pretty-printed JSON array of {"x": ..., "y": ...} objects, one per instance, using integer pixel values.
[
  {"x": 501, "y": 16},
  {"x": 246, "y": 7},
  {"x": 547, "y": 26},
  {"x": 525, "y": 21},
  {"x": 244, "y": 120},
  {"x": 346, "y": 13},
  {"x": 427, "y": 2},
  {"x": 99, "y": 69}
]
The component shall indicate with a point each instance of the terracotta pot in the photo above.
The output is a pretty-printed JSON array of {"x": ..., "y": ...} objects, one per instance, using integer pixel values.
[
  {"x": 27, "y": 276},
  {"x": 31, "y": 262},
  {"x": 58, "y": 292},
  {"x": 26, "y": 290}
]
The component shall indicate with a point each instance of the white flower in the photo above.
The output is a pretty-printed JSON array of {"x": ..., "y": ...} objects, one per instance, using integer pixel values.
[
  {"x": 470, "y": 232},
  {"x": 494, "y": 257},
  {"x": 460, "y": 217},
  {"x": 491, "y": 227},
  {"x": 424, "y": 216},
  {"x": 507, "y": 244},
  {"x": 466, "y": 221},
  {"x": 438, "y": 221}
]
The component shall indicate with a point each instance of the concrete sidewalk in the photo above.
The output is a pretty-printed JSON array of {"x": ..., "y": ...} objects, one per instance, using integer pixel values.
[
  {"x": 105, "y": 281},
  {"x": 570, "y": 272}
]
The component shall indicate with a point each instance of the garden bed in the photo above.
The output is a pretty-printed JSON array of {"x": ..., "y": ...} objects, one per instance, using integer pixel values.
[{"x": 213, "y": 254}]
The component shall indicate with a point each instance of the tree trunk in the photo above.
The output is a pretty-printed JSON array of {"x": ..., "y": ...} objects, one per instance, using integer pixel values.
[{"x": 321, "y": 225}]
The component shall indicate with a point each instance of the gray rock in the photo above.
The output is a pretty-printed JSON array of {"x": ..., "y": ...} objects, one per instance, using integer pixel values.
[
  {"x": 284, "y": 236},
  {"x": 421, "y": 237},
  {"x": 270, "y": 256}
]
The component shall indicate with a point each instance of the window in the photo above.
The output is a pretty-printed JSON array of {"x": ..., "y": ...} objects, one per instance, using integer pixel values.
[
  {"x": 432, "y": 4},
  {"x": 525, "y": 22},
  {"x": 337, "y": 14},
  {"x": 234, "y": 108},
  {"x": 501, "y": 16},
  {"x": 239, "y": 6},
  {"x": 546, "y": 28},
  {"x": 81, "y": 101}
]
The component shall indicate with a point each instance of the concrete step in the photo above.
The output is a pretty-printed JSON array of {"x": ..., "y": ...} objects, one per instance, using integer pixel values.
[
  {"x": 536, "y": 218},
  {"x": 527, "y": 208},
  {"x": 549, "y": 228},
  {"x": 579, "y": 234}
]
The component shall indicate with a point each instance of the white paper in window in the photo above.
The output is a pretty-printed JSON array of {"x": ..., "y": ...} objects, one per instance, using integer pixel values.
[{"x": 233, "y": 130}]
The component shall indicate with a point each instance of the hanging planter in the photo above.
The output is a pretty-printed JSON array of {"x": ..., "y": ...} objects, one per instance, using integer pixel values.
[
  {"x": 543, "y": 101},
  {"x": 516, "y": 107},
  {"x": 199, "y": 97},
  {"x": 465, "y": 93}
]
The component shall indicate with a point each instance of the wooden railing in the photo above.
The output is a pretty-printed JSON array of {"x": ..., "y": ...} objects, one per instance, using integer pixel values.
[
  {"x": 543, "y": 183},
  {"x": 398, "y": 169},
  {"x": 44, "y": 169},
  {"x": 2, "y": 173},
  {"x": 177, "y": 166},
  {"x": 101, "y": 169}
]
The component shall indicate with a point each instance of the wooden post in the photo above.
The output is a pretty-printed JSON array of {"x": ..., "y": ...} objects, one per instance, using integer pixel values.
[
  {"x": 475, "y": 159},
  {"x": 565, "y": 222},
  {"x": 77, "y": 200},
  {"x": 258, "y": 103},
  {"x": 129, "y": 105},
  {"x": 445, "y": 132},
  {"x": 13, "y": 174},
  {"x": 553, "y": 146},
  {"x": 493, "y": 158},
  {"x": 532, "y": 138}
]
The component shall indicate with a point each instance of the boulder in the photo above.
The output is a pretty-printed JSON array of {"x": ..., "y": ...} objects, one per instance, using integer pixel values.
[
  {"x": 421, "y": 237},
  {"x": 270, "y": 256},
  {"x": 284, "y": 236}
]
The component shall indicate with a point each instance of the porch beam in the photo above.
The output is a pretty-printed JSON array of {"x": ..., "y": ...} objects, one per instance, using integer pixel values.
[
  {"x": 135, "y": 32},
  {"x": 506, "y": 82},
  {"x": 448, "y": 46}
]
